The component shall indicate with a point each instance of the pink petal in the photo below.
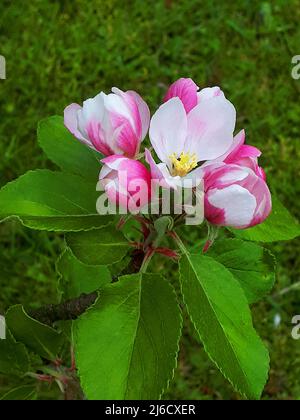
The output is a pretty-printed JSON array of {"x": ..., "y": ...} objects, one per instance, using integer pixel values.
[
  {"x": 143, "y": 110},
  {"x": 96, "y": 136},
  {"x": 133, "y": 109},
  {"x": 244, "y": 151},
  {"x": 186, "y": 91},
  {"x": 127, "y": 182},
  {"x": 125, "y": 137}
]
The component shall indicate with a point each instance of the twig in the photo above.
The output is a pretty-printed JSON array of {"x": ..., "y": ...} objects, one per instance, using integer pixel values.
[{"x": 73, "y": 308}]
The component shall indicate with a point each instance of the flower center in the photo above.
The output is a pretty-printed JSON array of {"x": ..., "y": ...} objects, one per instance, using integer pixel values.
[{"x": 184, "y": 164}]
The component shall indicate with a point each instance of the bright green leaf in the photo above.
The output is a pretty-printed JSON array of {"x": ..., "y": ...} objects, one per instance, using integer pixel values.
[
  {"x": 55, "y": 201},
  {"x": 77, "y": 278},
  {"x": 220, "y": 313},
  {"x": 66, "y": 151},
  {"x": 279, "y": 226},
  {"x": 14, "y": 358},
  {"x": 99, "y": 246},
  {"x": 43, "y": 340},
  {"x": 126, "y": 345},
  {"x": 252, "y": 265},
  {"x": 22, "y": 393}
]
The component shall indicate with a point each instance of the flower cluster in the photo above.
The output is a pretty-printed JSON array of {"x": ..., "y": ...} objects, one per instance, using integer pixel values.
[{"x": 192, "y": 134}]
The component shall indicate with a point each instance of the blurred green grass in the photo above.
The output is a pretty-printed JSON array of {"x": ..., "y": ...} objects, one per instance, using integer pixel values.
[{"x": 66, "y": 51}]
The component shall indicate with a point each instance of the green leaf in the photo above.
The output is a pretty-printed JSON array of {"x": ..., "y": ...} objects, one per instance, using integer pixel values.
[
  {"x": 53, "y": 201},
  {"x": 220, "y": 313},
  {"x": 77, "y": 278},
  {"x": 252, "y": 265},
  {"x": 22, "y": 393},
  {"x": 279, "y": 226},
  {"x": 14, "y": 358},
  {"x": 66, "y": 151},
  {"x": 126, "y": 345},
  {"x": 40, "y": 338},
  {"x": 99, "y": 246}
]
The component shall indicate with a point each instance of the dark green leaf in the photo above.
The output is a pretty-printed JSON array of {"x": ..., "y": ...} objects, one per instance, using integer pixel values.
[
  {"x": 252, "y": 265},
  {"x": 26, "y": 392},
  {"x": 280, "y": 226},
  {"x": 77, "y": 278},
  {"x": 14, "y": 358},
  {"x": 40, "y": 338},
  {"x": 55, "y": 201},
  {"x": 220, "y": 313},
  {"x": 66, "y": 151},
  {"x": 99, "y": 246},
  {"x": 126, "y": 345}
]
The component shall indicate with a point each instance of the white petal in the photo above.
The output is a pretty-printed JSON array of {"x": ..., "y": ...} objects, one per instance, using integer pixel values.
[
  {"x": 208, "y": 93},
  {"x": 239, "y": 205},
  {"x": 168, "y": 129},
  {"x": 71, "y": 120},
  {"x": 238, "y": 141},
  {"x": 210, "y": 128},
  {"x": 105, "y": 170},
  {"x": 93, "y": 109},
  {"x": 114, "y": 161},
  {"x": 115, "y": 103},
  {"x": 236, "y": 175}
]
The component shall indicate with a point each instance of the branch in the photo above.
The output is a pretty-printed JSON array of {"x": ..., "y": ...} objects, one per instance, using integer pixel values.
[
  {"x": 65, "y": 311},
  {"x": 73, "y": 308}
]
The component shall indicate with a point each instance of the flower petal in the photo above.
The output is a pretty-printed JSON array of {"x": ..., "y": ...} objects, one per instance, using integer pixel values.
[
  {"x": 237, "y": 203},
  {"x": 208, "y": 93},
  {"x": 143, "y": 111},
  {"x": 186, "y": 91},
  {"x": 210, "y": 128},
  {"x": 237, "y": 143},
  {"x": 168, "y": 129},
  {"x": 71, "y": 122}
]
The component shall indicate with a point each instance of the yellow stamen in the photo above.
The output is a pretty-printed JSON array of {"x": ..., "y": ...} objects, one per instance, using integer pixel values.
[{"x": 184, "y": 164}]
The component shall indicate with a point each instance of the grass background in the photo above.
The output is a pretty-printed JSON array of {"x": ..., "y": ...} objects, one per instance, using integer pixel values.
[{"x": 58, "y": 52}]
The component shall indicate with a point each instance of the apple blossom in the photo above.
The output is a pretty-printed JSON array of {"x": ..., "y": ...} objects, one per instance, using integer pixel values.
[
  {"x": 111, "y": 124},
  {"x": 188, "y": 131}
]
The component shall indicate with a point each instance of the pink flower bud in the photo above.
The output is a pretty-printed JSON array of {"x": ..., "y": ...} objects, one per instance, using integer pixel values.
[
  {"x": 126, "y": 182},
  {"x": 236, "y": 196},
  {"x": 115, "y": 123}
]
